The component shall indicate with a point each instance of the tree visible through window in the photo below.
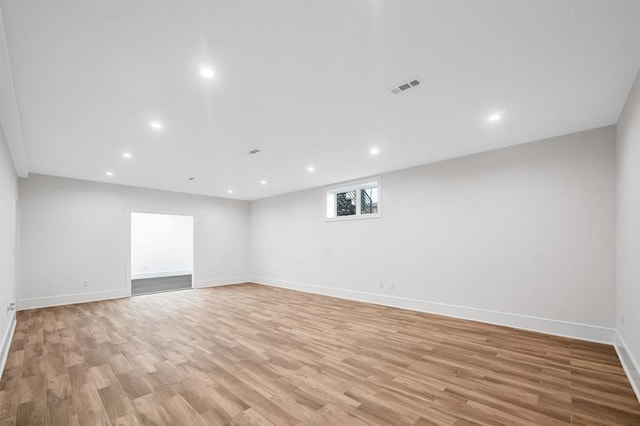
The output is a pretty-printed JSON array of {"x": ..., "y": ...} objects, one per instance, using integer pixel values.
[
  {"x": 356, "y": 200},
  {"x": 346, "y": 203}
]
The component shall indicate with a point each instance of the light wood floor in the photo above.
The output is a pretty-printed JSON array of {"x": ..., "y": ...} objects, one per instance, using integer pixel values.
[{"x": 256, "y": 355}]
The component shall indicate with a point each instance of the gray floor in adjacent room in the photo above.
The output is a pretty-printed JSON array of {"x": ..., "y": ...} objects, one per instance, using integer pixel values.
[{"x": 155, "y": 285}]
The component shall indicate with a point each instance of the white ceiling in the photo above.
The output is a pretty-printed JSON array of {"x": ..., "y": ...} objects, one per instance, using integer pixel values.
[{"x": 306, "y": 82}]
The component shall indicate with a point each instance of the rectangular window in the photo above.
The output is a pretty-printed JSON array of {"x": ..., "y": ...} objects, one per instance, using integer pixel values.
[{"x": 356, "y": 200}]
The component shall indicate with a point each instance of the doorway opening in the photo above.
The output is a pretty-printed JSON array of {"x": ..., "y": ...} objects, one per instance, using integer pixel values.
[{"x": 162, "y": 252}]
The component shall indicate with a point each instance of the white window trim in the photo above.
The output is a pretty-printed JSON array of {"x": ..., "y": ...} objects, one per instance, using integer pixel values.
[{"x": 350, "y": 186}]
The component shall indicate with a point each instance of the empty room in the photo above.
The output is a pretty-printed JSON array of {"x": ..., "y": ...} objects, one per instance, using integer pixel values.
[{"x": 319, "y": 212}]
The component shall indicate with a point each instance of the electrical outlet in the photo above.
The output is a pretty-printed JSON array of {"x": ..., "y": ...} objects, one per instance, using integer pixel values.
[
  {"x": 85, "y": 284},
  {"x": 381, "y": 285},
  {"x": 392, "y": 286},
  {"x": 622, "y": 319}
]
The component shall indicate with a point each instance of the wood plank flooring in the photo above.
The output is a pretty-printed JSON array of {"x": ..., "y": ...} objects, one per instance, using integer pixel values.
[{"x": 255, "y": 355}]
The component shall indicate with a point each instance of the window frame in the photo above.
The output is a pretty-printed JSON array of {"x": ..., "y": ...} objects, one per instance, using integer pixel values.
[{"x": 355, "y": 185}]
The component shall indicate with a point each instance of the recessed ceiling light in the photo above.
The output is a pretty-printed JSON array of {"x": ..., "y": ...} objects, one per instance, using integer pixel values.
[
  {"x": 263, "y": 182},
  {"x": 311, "y": 169},
  {"x": 156, "y": 125},
  {"x": 374, "y": 151},
  {"x": 207, "y": 72},
  {"x": 127, "y": 155},
  {"x": 109, "y": 173},
  {"x": 495, "y": 117},
  {"x": 230, "y": 191}
]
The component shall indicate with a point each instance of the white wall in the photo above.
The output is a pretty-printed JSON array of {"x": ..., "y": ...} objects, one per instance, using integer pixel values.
[
  {"x": 75, "y": 231},
  {"x": 8, "y": 246},
  {"x": 161, "y": 245},
  {"x": 628, "y": 231},
  {"x": 526, "y": 231},
  {"x": 9, "y": 114}
]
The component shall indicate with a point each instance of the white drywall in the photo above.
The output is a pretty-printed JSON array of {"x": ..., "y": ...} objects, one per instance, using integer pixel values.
[
  {"x": 75, "y": 231},
  {"x": 161, "y": 245},
  {"x": 8, "y": 246},
  {"x": 9, "y": 113},
  {"x": 628, "y": 230},
  {"x": 523, "y": 236}
]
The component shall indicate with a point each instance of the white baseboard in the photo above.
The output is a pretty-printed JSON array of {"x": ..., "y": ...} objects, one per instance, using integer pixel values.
[
  {"x": 68, "y": 299},
  {"x": 222, "y": 281},
  {"x": 6, "y": 343},
  {"x": 543, "y": 325},
  {"x": 629, "y": 364},
  {"x": 143, "y": 275}
]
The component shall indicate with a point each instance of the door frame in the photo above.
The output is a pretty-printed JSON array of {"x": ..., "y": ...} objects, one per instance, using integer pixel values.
[{"x": 171, "y": 213}]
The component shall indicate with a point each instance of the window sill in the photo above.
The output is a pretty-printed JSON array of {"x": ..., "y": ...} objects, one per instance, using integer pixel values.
[{"x": 353, "y": 217}]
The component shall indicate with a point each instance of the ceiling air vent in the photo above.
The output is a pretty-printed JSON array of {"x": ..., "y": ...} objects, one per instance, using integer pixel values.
[{"x": 405, "y": 86}]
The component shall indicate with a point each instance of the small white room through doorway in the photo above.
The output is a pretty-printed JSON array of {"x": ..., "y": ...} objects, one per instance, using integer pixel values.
[{"x": 162, "y": 252}]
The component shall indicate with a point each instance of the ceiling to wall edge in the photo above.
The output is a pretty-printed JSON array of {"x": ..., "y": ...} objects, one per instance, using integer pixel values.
[
  {"x": 11, "y": 127},
  {"x": 329, "y": 184}
]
